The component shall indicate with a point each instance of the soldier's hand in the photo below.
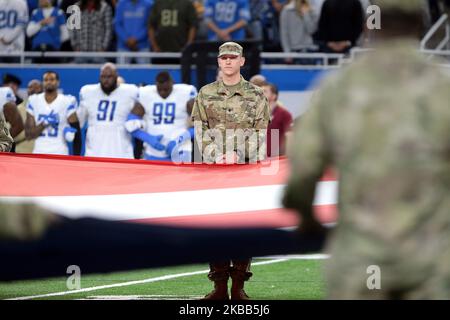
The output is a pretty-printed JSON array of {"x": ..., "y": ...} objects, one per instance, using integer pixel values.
[{"x": 19, "y": 221}]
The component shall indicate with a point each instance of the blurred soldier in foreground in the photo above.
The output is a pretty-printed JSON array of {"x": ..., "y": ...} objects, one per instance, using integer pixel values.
[{"x": 384, "y": 124}]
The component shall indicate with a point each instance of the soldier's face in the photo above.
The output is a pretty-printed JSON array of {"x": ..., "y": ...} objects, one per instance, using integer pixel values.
[
  {"x": 50, "y": 81},
  {"x": 230, "y": 65}
]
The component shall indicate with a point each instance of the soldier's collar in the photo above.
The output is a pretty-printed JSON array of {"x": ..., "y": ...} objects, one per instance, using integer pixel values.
[{"x": 222, "y": 88}]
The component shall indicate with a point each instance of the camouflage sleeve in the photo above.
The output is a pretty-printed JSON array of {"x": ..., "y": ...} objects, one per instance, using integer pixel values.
[
  {"x": 308, "y": 155},
  {"x": 256, "y": 148},
  {"x": 201, "y": 125},
  {"x": 6, "y": 140},
  {"x": 23, "y": 221}
]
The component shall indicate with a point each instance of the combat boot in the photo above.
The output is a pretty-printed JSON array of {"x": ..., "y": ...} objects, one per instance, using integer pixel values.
[
  {"x": 219, "y": 273},
  {"x": 239, "y": 273}
]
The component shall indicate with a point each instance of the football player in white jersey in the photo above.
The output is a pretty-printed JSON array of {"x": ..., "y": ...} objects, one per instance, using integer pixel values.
[
  {"x": 13, "y": 19},
  {"x": 162, "y": 111},
  {"x": 50, "y": 117},
  {"x": 105, "y": 106},
  {"x": 9, "y": 109}
]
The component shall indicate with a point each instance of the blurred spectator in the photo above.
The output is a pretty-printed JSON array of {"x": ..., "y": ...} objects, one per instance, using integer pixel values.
[
  {"x": 22, "y": 144},
  {"x": 32, "y": 4},
  {"x": 271, "y": 25},
  {"x": 226, "y": 19},
  {"x": 12, "y": 25},
  {"x": 131, "y": 27},
  {"x": 48, "y": 29},
  {"x": 258, "y": 80},
  {"x": 340, "y": 25},
  {"x": 13, "y": 82},
  {"x": 95, "y": 34},
  {"x": 202, "y": 29},
  {"x": 280, "y": 119},
  {"x": 298, "y": 22},
  {"x": 278, "y": 5},
  {"x": 66, "y": 45},
  {"x": 64, "y": 4},
  {"x": 258, "y": 11},
  {"x": 173, "y": 25}
]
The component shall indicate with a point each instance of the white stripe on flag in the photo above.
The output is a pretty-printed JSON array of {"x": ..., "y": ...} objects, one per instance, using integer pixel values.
[{"x": 175, "y": 204}]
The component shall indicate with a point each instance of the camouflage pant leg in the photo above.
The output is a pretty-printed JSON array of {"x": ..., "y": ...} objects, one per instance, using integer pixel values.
[{"x": 359, "y": 281}]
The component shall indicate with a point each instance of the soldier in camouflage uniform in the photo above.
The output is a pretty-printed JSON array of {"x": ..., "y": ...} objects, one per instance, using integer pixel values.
[
  {"x": 6, "y": 140},
  {"x": 19, "y": 221},
  {"x": 384, "y": 123},
  {"x": 231, "y": 103}
]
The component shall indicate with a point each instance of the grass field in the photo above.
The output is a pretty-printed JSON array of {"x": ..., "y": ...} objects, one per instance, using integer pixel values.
[{"x": 276, "y": 278}]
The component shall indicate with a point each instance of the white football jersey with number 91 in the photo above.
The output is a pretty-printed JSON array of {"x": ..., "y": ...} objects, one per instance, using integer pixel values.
[{"x": 106, "y": 116}]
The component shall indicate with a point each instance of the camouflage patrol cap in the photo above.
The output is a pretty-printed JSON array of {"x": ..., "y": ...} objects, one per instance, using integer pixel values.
[
  {"x": 400, "y": 5},
  {"x": 231, "y": 48}
]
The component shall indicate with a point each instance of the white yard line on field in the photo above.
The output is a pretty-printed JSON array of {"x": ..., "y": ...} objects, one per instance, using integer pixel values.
[
  {"x": 315, "y": 256},
  {"x": 131, "y": 283}
]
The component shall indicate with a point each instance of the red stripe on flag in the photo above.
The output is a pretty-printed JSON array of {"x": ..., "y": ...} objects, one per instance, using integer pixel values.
[
  {"x": 45, "y": 175},
  {"x": 276, "y": 218}
]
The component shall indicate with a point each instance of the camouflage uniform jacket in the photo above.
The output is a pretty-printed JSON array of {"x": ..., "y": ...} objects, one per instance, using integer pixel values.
[
  {"x": 247, "y": 109},
  {"x": 384, "y": 123},
  {"x": 5, "y": 138}
]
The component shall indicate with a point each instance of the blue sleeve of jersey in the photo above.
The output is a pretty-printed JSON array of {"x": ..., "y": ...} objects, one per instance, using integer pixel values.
[
  {"x": 209, "y": 9},
  {"x": 10, "y": 96},
  {"x": 30, "y": 108},
  {"x": 244, "y": 11},
  {"x": 34, "y": 16},
  {"x": 193, "y": 93},
  {"x": 71, "y": 107},
  {"x": 61, "y": 19},
  {"x": 191, "y": 131}
]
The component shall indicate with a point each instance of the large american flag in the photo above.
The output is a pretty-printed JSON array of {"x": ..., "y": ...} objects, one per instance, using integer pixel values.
[{"x": 160, "y": 193}]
